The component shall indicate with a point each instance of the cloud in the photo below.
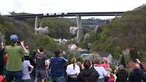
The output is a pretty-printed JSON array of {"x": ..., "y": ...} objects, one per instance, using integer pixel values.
[{"x": 54, "y": 6}]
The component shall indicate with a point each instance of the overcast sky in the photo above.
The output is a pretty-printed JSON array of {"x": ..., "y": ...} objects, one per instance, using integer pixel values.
[{"x": 57, "y": 6}]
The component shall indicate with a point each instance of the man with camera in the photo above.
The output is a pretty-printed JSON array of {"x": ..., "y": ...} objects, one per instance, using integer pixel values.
[
  {"x": 14, "y": 59},
  {"x": 57, "y": 67}
]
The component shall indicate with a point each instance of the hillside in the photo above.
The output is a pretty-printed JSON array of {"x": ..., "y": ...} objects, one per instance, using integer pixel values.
[
  {"x": 25, "y": 32},
  {"x": 126, "y": 32},
  {"x": 24, "y": 28}
]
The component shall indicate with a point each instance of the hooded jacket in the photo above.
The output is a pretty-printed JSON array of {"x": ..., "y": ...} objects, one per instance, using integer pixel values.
[
  {"x": 136, "y": 75},
  {"x": 122, "y": 75},
  {"x": 57, "y": 66},
  {"x": 88, "y": 75}
]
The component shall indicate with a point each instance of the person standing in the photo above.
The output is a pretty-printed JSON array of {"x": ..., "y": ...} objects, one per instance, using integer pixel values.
[
  {"x": 28, "y": 54},
  {"x": 26, "y": 73},
  {"x": 57, "y": 67},
  {"x": 2, "y": 50},
  {"x": 32, "y": 62},
  {"x": 72, "y": 71},
  {"x": 105, "y": 63},
  {"x": 14, "y": 59},
  {"x": 88, "y": 74},
  {"x": 41, "y": 63},
  {"x": 100, "y": 69},
  {"x": 136, "y": 75},
  {"x": 63, "y": 54},
  {"x": 122, "y": 74}
]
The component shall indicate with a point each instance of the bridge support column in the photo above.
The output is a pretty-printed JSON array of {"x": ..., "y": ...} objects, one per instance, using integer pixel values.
[
  {"x": 41, "y": 22},
  {"x": 36, "y": 24},
  {"x": 79, "y": 25}
]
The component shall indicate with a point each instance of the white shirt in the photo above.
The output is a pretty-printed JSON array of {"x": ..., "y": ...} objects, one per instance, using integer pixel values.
[
  {"x": 25, "y": 70},
  {"x": 102, "y": 72},
  {"x": 71, "y": 71}
]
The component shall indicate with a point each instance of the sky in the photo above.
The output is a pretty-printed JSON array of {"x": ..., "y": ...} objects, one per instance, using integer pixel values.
[{"x": 64, "y": 6}]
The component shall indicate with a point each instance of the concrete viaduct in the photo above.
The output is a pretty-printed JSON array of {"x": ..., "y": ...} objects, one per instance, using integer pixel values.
[{"x": 78, "y": 16}]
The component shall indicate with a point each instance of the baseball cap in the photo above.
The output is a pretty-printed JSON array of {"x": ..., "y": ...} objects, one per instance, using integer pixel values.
[{"x": 14, "y": 37}]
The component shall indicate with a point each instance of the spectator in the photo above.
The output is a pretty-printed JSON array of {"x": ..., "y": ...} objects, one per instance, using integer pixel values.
[
  {"x": 32, "y": 62},
  {"x": 108, "y": 70},
  {"x": 137, "y": 61},
  {"x": 114, "y": 74},
  {"x": 105, "y": 63},
  {"x": 100, "y": 69},
  {"x": 41, "y": 63},
  {"x": 144, "y": 77},
  {"x": 57, "y": 67},
  {"x": 28, "y": 54},
  {"x": 63, "y": 54},
  {"x": 122, "y": 74},
  {"x": 88, "y": 74},
  {"x": 80, "y": 65},
  {"x": 2, "y": 62},
  {"x": 72, "y": 71},
  {"x": 136, "y": 75},
  {"x": 25, "y": 72},
  {"x": 14, "y": 61}
]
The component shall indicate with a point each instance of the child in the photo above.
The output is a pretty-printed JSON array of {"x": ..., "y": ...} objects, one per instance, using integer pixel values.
[{"x": 25, "y": 71}]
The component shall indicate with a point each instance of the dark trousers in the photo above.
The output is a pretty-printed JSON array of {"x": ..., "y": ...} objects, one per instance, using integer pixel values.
[
  {"x": 69, "y": 79},
  {"x": 13, "y": 75},
  {"x": 1, "y": 69}
]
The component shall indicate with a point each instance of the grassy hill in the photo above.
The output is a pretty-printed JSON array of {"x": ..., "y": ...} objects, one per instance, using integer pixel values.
[
  {"x": 122, "y": 33},
  {"x": 25, "y": 32}
]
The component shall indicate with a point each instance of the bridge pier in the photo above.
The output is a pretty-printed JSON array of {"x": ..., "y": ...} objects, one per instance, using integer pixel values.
[
  {"x": 79, "y": 25},
  {"x": 36, "y": 23}
]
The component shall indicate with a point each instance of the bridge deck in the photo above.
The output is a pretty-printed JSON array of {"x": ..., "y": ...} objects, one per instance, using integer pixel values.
[{"x": 68, "y": 14}]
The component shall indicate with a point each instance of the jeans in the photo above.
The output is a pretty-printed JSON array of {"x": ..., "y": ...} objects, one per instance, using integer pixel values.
[
  {"x": 32, "y": 75},
  {"x": 14, "y": 75},
  {"x": 57, "y": 79}
]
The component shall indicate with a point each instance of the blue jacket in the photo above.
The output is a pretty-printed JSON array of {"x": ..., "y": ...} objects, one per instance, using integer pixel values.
[{"x": 57, "y": 66}]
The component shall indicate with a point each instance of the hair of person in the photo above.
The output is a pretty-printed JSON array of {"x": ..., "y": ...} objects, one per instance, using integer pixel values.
[
  {"x": 79, "y": 64},
  {"x": 41, "y": 49},
  {"x": 26, "y": 57},
  {"x": 61, "y": 51},
  {"x": 87, "y": 63},
  {"x": 96, "y": 61},
  {"x": 33, "y": 53},
  {"x": 57, "y": 52},
  {"x": 73, "y": 61},
  {"x": 13, "y": 43},
  {"x": 105, "y": 60},
  {"x": 121, "y": 67}
]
